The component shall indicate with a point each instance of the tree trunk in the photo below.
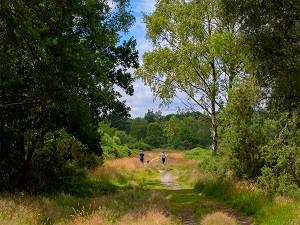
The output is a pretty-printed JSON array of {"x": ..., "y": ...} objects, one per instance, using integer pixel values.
[
  {"x": 214, "y": 127},
  {"x": 214, "y": 134},
  {"x": 37, "y": 143}
]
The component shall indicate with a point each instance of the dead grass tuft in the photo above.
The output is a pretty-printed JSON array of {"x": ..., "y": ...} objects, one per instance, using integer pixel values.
[
  {"x": 99, "y": 217},
  {"x": 146, "y": 217},
  {"x": 12, "y": 213},
  {"x": 111, "y": 168},
  {"x": 218, "y": 218},
  {"x": 282, "y": 200}
]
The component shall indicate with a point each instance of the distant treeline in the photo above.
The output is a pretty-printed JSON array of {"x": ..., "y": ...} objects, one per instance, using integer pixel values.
[{"x": 179, "y": 131}]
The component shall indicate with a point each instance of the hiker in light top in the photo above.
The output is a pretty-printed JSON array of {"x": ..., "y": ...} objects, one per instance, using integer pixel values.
[{"x": 163, "y": 157}]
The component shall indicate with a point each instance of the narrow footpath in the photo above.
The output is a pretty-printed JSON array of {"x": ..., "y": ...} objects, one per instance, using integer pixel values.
[{"x": 184, "y": 201}]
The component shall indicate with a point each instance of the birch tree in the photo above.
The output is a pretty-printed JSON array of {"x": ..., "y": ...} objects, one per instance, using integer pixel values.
[{"x": 193, "y": 53}]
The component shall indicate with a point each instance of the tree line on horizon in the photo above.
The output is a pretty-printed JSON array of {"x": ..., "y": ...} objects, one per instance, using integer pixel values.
[{"x": 181, "y": 131}]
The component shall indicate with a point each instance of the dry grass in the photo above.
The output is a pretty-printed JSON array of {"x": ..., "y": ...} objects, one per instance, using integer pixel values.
[
  {"x": 296, "y": 221},
  {"x": 98, "y": 217},
  {"x": 147, "y": 216},
  {"x": 31, "y": 210},
  {"x": 117, "y": 209},
  {"x": 112, "y": 168},
  {"x": 126, "y": 207},
  {"x": 218, "y": 218},
  {"x": 14, "y": 213},
  {"x": 282, "y": 200}
]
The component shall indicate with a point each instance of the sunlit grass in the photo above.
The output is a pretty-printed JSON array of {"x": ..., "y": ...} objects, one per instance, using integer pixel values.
[
  {"x": 124, "y": 191},
  {"x": 114, "y": 208},
  {"x": 198, "y": 153},
  {"x": 218, "y": 218},
  {"x": 249, "y": 199}
]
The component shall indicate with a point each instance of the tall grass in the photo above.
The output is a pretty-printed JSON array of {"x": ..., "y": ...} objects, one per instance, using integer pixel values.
[
  {"x": 116, "y": 193},
  {"x": 125, "y": 207},
  {"x": 249, "y": 199},
  {"x": 246, "y": 197},
  {"x": 200, "y": 154}
]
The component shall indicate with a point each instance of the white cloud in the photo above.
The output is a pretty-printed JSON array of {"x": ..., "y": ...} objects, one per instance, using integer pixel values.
[{"x": 143, "y": 98}]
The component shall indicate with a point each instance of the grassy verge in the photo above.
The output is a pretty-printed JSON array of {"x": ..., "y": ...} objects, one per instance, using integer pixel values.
[
  {"x": 116, "y": 193},
  {"x": 123, "y": 207},
  {"x": 246, "y": 197},
  {"x": 252, "y": 201}
]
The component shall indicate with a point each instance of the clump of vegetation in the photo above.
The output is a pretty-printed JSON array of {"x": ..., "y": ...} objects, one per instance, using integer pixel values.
[
  {"x": 117, "y": 208},
  {"x": 208, "y": 163},
  {"x": 177, "y": 131},
  {"x": 248, "y": 198},
  {"x": 218, "y": 218},
  {"x": 140, "y": 145},
  {"x": 281, "y": 154},
  {"x": 258, "y": 146}
]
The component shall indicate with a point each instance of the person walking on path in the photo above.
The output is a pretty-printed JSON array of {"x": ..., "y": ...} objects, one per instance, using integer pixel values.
[
  {"x": 163, "y": 157},
  {"x": 142, "y": 155}
]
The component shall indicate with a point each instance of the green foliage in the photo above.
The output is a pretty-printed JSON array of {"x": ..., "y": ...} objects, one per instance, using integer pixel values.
[
  {"x": 242, "y": 130},
  {"x": 60, "y": 63},
  {"x": 60, "y": 163},
  {"x": 249, "y": 200},
  {"x": 180, "y": 131},
  {"x": 104, "y": 127},
  {"x": 281, "y": 154},
  {"x": 214, "y": 164},
  {"x": 187, "y": 131},
  {"x": 151, "y": 116},
  {"x": 155, "y": 135},
  {"x": 138, "y": 128},
  {"x": 140, "y": 145},
  {"x": 124, "y": 138},
  {"x": 271, "y": 32},
  {"x": 112, "y": 147},
  {"x": 257, "y": 145}
]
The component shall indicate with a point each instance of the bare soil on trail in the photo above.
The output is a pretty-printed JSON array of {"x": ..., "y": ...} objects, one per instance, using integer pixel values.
[{"x": 186, "y": 213}]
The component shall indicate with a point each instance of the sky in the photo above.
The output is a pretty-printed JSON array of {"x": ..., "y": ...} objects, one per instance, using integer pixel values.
[{"x": 143, "y": 99}]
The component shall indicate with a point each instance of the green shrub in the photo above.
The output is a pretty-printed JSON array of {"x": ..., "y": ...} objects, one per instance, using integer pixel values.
[
  {"x": 182, "y": 144},
  {"x": 241, "y": 130},
  {"x": 124, "y": 138},
  {"x": 61, "y": 162},
  {"x": 52, "y": 173},
  {"x": 112, "y": 147},
  {"x": 89, "y": 160},
  {"x": 116, "y": 140},
  {"x": 198, "y": 154},
  {"x": 281, "y": 171},
  {"x": 207, "y": 162},
  {"x": 140, "y": 145}
]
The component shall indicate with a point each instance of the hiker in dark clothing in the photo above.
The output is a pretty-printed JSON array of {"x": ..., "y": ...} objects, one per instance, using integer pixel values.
[
  {"x": 163, "y": 157},
  {"x": 142, "y": 155}
]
